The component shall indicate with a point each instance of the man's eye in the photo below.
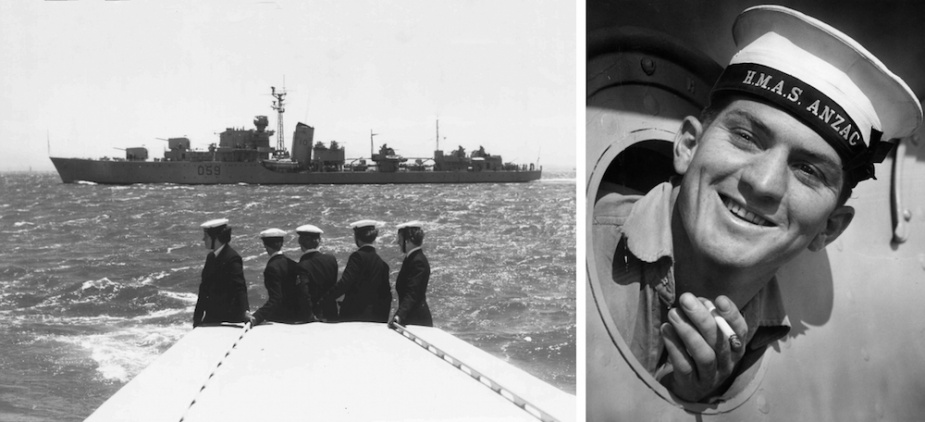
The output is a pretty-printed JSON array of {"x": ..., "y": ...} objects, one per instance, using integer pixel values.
[
  {"x": 744, "y": 138},
  {"x": 810, "y": 173}
]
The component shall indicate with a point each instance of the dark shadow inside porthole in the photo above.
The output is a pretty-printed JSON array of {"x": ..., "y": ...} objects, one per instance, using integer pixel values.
[{"x": 638, "y": 168}]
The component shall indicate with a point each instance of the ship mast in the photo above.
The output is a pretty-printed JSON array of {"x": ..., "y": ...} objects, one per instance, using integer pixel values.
[
  {"x": 371, "y": 134},
  {"x": 280, "y": 108},
  {"x": 438, "y": 134}
]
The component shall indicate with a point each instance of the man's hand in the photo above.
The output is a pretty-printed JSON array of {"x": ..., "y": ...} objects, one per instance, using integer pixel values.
[
  {"x": 699, "y": 352},
  {"x": 395, "y": 320}
]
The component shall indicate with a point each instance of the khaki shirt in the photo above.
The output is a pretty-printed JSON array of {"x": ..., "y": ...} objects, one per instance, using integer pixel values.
[{"x": 634, "y": 255}]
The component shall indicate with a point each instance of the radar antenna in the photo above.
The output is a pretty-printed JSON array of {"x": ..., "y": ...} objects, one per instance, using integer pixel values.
[{"x": 280, "y": 107}]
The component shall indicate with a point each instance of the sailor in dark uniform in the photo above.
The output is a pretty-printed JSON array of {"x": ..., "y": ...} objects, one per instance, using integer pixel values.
[
  {"x": 288, "y": 298},
  {"x": 318, "y": 269},
  {"x": 365, "y": 281},
  {"x": 223, "y": 291},
  {"x": 411, "y": 283}
]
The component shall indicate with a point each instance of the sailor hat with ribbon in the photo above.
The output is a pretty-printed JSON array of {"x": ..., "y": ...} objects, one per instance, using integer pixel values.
[
  {"x": 271, "y": 233},
  {"x": 308, "y": 229},
  {"x": 825, "y": 79}
]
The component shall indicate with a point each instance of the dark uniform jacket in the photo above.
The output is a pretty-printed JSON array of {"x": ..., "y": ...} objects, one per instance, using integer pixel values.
[
  {"x": 365, "y": 284},
  {"x": 288, "y": 298},
  {"x": 223, "y": 291},
  {"x": 320, "y": 270},
  {"x": 411, "y": 286}
]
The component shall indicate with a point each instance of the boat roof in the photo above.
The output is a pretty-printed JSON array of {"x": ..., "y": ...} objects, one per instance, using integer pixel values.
[{"x": 331, "y": 372}]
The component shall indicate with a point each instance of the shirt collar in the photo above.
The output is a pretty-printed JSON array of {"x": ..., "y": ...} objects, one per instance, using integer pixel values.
[
  {"x": 412, "y": 251},
  {"x": 648, "y": 236},
  {"x": 219, "y": 249},
  {"x": 648, "y": 227},
  {"x": 308, "y": 251}
]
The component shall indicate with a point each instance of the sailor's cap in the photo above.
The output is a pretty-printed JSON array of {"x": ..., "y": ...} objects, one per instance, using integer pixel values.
[
  {"x": 212, "y": 224},
  {"x": 825, "y": 79},
  {"x": 411, "y": 224},
  {"x": 364, "y": 223},
  {"x": 272, "y": 233},
  {"x": 308, "y": 229}
]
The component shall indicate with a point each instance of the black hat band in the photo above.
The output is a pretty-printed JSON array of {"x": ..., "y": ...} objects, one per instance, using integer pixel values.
[{"x": 810, "y": 106}]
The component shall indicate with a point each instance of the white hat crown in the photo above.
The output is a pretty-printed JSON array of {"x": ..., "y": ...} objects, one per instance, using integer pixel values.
[
  {"x": 411, "y": 224},
  {"x": 211, "y": 224},
  {"x": 831, "y": 62},
  {"x": 364, "y": 223},
  {"x": 308, "y": 228},
  {"x": 272, "y": 233}
]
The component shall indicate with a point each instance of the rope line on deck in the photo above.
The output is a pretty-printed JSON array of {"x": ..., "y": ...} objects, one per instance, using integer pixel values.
[
  {"x": 247, "y": 327},
  {"x": 468, "y": 370}
]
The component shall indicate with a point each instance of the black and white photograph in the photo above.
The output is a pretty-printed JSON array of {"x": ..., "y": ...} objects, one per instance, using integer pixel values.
[
  {"x": 410, "y": 210},
  {"x": 288, "y": 210},
  {"x": 755, "y": 239}
]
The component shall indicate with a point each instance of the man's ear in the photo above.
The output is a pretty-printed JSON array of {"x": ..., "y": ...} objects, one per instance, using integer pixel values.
[
  {"x": 836, "y": 224},
  {"x": 685, "y": 143}
]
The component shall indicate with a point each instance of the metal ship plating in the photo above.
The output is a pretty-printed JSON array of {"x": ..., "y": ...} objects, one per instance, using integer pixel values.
[{"x": 245, "y": 156}]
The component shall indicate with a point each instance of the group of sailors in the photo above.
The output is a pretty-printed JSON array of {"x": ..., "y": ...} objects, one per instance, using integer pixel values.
[{"x": 305, "y": 291}]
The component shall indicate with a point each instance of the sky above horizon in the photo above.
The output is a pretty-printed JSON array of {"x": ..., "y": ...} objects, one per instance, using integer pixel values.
[{"x": 81, "y": 78}]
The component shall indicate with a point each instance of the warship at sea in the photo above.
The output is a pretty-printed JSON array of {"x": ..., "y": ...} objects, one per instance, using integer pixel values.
[{"x": 246, "y": 156}]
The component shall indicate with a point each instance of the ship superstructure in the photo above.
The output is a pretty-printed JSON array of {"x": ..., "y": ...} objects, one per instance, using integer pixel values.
[{"x": 246, "y": 156}]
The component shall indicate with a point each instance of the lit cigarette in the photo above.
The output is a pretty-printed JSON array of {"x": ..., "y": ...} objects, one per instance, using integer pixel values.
[{"x": 724, "y": 326}]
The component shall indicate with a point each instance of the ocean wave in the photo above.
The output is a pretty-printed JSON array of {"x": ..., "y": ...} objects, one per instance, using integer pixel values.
[
  {"x": 186, "y": 297},
  {"x": 123, "y": 353},
  {"x": 104, "y": 296},
  {"x": 175, "y": 247}
]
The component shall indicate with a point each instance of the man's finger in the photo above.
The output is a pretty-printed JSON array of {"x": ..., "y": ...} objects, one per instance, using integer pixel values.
[
  {"x": 730, "y": 312},
  {"x": 727, "y": 342},
  {"x": 677, "y": 354},
  {"x": 699, "y": 316},
  {"x": 700, "y": 351}
]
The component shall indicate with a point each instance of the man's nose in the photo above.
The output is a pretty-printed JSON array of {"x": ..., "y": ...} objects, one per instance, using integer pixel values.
[{"x": 766, "y": 176}]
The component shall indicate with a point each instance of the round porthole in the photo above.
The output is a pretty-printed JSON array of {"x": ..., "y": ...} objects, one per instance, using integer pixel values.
[{"x": 640, "y": 86}]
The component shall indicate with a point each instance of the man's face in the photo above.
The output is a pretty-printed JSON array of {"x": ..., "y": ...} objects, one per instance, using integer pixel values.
[
  {"x": 758, "y": 188},
  {"x": 206, "y": 240},
  {"x": 400, "y": 241}
]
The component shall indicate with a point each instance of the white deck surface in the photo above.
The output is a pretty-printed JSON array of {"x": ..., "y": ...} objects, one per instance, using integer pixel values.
[{"x": 326, "y": 372}]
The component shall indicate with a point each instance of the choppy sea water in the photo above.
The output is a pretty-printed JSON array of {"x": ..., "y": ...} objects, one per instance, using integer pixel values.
[{"x": 96, "y": 281}]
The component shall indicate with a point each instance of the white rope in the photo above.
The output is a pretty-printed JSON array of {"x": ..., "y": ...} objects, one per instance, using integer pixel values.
[
  {"x": 247, "y": 327},
  {"x": 488, "y": 382}
]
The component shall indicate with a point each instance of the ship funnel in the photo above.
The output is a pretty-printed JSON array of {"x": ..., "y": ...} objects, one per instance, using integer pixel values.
[{"x": 302, "y": 140}]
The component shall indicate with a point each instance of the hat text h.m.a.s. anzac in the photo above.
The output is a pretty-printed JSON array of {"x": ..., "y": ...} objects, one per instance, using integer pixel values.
[{"x": 823, "y": 78}]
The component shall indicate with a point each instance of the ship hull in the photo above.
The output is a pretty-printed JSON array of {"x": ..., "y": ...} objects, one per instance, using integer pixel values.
[{"x": 74, "y": 170}]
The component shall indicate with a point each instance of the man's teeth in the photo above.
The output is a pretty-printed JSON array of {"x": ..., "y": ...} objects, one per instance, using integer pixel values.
[{"x": 744, "y": 214}]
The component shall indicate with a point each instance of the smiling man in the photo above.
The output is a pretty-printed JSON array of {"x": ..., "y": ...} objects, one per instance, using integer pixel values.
[{"x": 795, "y": 122}]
